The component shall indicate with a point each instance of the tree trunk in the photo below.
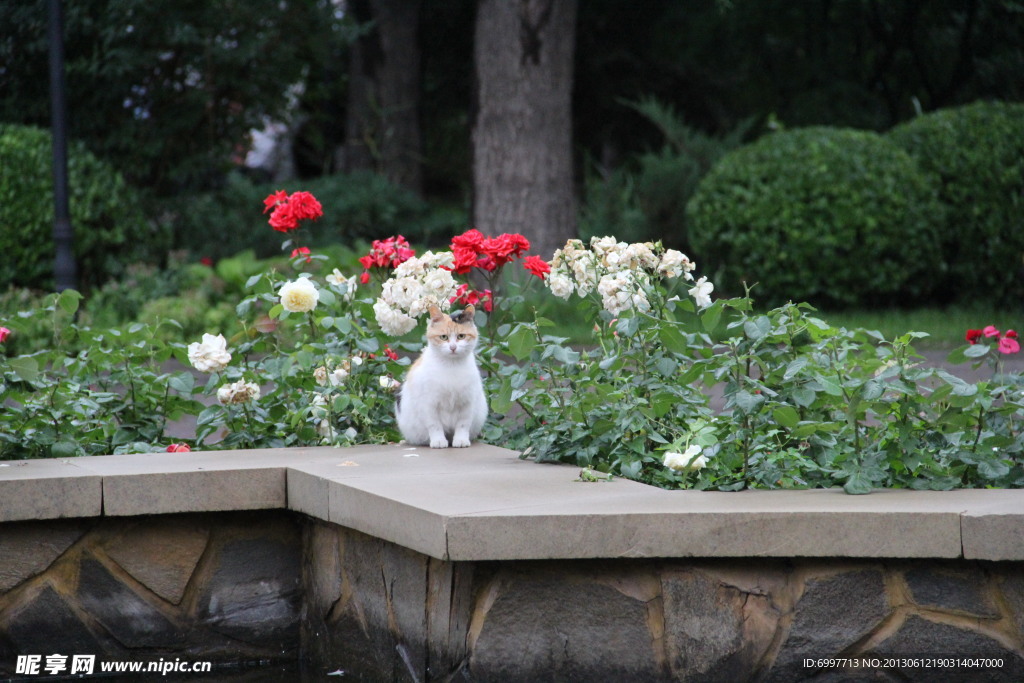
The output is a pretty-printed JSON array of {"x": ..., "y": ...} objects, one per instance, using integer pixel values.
[
  {"x": 382, "y": 124},
  {"x": 522, "y": 130}
]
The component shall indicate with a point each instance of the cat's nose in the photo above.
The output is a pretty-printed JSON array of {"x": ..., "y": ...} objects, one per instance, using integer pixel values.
[{"x": 453, "y": 347}]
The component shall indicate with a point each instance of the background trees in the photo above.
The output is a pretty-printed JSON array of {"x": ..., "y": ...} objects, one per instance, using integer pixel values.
[{"x": 423, "y": 92}]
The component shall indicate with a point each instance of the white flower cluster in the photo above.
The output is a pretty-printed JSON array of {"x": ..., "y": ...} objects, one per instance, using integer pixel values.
[
  {"x": 414, "y": 286},
  {"x": 338, "y": 375},
  {"x": 621, "y": 273},
  {"x": 238, "y": 392}
]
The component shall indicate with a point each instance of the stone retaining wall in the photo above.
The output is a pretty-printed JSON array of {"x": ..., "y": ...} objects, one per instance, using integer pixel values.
[
  {"x": 389, "y": 563},
  {"x": 381, "y": 612},
  {"x": 223, "y": 587}
]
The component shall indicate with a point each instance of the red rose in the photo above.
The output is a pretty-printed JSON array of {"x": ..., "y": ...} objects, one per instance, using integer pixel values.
[
  {"x": 1010, "y": 334},
  {"x": 1008, "y": 345},
  {"x": 289, "y": 210},
  {"x": 990, "y": 331},
  {"x": 274, "y": 199},
  {"x": 973, "y": 336},
  {"x": 390, "y": 354},
  {"x": 466, "y": 259},
  {"x": 179, "y": 448},
  {"x": 4, "y": 334},
  {"x": 471, "y": 239},
  {"x": 537, "y": 266},
  {"x": 302, "y": 251}
]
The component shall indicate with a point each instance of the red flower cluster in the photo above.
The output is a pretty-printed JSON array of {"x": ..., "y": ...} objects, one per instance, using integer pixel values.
[
  {"x": 473, "y": 250},
  {"x": 464, "y": 296},
  {"x": 387, "y": 253},
  {"x": 1007, "y": 342},
  {"x": 289, "y": 210},
  {"x": 179, "y": 448}
]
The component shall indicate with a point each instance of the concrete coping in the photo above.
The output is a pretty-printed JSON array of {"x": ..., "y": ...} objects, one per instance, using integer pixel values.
[{"x": 484, "y": 503}]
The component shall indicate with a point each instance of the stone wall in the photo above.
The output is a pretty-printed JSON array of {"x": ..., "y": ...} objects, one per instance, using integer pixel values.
[
  {"x": 275, "y": 587},
  {"x": 380, "y": 612},
  {"x": 219, "y": 587}
]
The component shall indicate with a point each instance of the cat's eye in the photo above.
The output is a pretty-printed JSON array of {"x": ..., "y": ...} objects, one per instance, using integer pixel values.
[
  {"x": 462, "y": 336},
  {"x": 443, "y": 337}
]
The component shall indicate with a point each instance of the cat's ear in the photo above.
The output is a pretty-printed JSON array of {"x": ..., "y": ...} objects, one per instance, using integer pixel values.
[
  {"x": 435, "y": 313},
  {"x": 468, "y": 313}
]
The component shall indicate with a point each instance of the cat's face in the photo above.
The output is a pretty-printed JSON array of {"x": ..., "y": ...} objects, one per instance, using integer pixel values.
[{"x": 452, "y": 336}]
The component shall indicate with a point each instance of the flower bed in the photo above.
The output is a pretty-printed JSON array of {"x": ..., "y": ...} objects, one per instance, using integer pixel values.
[{"x": 805, "y": 404}]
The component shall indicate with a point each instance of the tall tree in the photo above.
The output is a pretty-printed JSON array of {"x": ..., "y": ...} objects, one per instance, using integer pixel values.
[
  {"x": 383, "y": 128},
  {"x": 522, "y": 130}
]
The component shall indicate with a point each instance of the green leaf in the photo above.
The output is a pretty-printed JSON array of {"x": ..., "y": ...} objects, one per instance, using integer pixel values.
[
  {"x": 275, "y": 311},
  {"x": 68, "y": 301},
  {"x": 960, "y": 387},
  {"x": 858, "y": 484},
  {"x": 627, "y": 327},
  {"x": 829, "y": 385},
  {"x": 27, "y": 369},
  {"x": 521, "y": 342},
  {"x": 748, "y": 402},
  {"x": 666, "y": 366},
  {"x": 787, "y": 416},
  {"x": 672, "y": 339},
  {"x": 757, "y": 328},
  {"x": 993, "y": 469},
  {"x": 709, "y": 319},
  {"x": 182, "y": 382},
  {"x": 976, "y": 351}
]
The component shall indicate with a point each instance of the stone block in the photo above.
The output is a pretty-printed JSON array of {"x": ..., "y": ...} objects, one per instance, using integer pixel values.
[
  {"x": 28, "y": 548},
  {"x": 995, "y": 534},
  {"x": 194, "y": 491},
  {"x": 46, "y": 623},
  {"x": 125, "y": 615},
  {"x": 960, "y": 590},
  {"x": 558, "y": 625},
  {"x": 253, "y": 592},
  {"x": 48, "y": 489},
  {"x": 1011, "y": 586},
  {"x": 714, "y": 630},
  {"x": 921, "y": 637},
  {"x": 832, "y": 614},
  {"x": 161, "y": 553}
]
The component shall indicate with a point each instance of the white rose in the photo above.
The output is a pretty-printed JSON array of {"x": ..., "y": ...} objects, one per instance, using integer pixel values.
[
  {"x": 675, "y": 263},
  {"x": 238, "y": 392},
  {"x": 350, "y": 284},
  {"x": 560, "y": 285},
  {"x": 387, "y": 383},
  {"x": 701, "y": 292},
  {"x": 299, "y": 296},
  {"x": 210, "y": 355},
  {"x": 393, "y": 322},
  {"x": 690, "y": 460}
]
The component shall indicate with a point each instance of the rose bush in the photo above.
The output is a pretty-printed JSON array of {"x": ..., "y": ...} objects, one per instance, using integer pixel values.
[{"x": 674, "y": 388}]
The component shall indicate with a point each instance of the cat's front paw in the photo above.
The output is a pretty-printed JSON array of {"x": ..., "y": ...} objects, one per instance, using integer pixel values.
[
  {"x": 439, "y": 442},
  {"x": 460, "y": 442}
]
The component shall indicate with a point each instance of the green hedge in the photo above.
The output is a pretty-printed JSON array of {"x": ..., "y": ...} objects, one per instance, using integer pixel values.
[
  {"x": 835, "y": 217},
  {"x": 109, "y": 225},
  {"x": 978, "y": 152}
]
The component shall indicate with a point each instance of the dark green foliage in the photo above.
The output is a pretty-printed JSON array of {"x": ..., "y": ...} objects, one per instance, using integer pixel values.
[
  {"x": 978, "y": 152},
  {"x": 832, "y": 216},
  {"x": 110, "y": 228},
  {"x": 167, "y": 91},
  {"x": 649, "y": 203},
  {"x": 357, "y": 206}
]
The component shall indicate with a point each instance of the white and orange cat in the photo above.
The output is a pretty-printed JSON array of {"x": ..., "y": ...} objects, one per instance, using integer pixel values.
[{"x": 442, "y": 402}]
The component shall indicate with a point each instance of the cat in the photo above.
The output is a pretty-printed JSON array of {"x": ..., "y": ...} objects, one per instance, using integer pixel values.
[{"x": 442, "y": 399}]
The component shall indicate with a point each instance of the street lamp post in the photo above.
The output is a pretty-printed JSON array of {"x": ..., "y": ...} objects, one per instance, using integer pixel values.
[{"x": 64, "y": 268}]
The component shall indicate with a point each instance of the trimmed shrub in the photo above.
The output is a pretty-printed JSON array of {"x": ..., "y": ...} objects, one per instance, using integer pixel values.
[
  {"x": 978, "y": 152},
  {"x": 836, "y": 217},
  {"x": 109, "y": 226}
]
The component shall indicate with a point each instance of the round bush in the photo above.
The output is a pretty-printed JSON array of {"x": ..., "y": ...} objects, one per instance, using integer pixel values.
[
  {"x": 836, "y": 217},
  {"x": 105, "y": 213},
  {"x": 978, "y": 152}
]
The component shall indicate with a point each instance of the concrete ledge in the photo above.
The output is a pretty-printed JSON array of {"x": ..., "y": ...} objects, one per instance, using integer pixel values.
[{"x": 483, "y": 503}]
